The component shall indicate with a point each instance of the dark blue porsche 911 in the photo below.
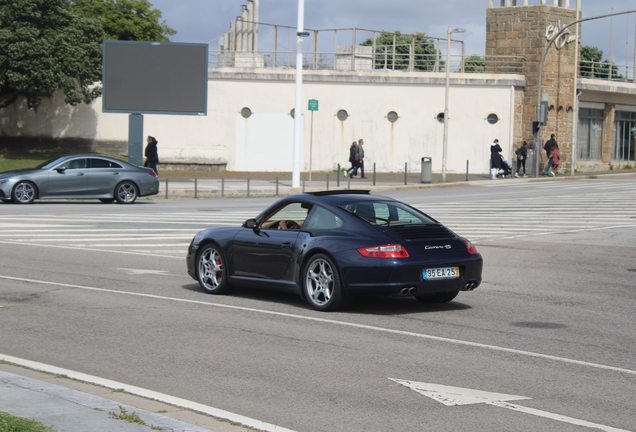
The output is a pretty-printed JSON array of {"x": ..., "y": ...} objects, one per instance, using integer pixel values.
[{"x": 332, "y": 246}]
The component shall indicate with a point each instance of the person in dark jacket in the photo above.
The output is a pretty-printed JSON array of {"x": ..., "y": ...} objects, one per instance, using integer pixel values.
[
  {"x": 352, "y": 158},
  {"x": 548, "y": 152},
  {"x": 152, "y": 157},
  {"x": 495, "y": 159},
  {"x": 522, "y": 155}
]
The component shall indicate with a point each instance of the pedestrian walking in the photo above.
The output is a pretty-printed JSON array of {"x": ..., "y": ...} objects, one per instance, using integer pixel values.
[
  {"x": 352, "y": 158},
  {"x": 360, "y": 151},
  {"x": 152, "y": 156},
  {"x": 522, "y": 155},
  {"x": 555, "y": 159},
  {"x": 548, "y": 152},
  {"x": 495, "y": 159}
]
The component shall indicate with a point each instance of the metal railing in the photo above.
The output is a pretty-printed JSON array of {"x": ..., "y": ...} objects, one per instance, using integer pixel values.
[
  {"x": 606, "y": 71},
  {"x": 367, "y": 61}
]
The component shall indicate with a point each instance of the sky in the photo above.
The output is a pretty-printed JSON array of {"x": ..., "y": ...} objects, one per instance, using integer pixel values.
[{"x": 201, "y": 21}]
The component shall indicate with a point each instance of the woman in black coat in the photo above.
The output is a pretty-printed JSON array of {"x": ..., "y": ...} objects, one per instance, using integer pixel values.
[{"x": 495, "y": 158}]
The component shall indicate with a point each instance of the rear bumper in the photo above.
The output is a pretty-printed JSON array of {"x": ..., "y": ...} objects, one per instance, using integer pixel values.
[{"x": 390, "y": 276}]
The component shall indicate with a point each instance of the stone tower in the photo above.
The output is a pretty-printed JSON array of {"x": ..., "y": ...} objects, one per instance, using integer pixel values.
[{"x": 525, "y": 31}]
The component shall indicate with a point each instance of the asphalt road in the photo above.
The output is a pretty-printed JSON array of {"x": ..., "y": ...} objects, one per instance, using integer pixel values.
[{"x": 102, "y": 289}]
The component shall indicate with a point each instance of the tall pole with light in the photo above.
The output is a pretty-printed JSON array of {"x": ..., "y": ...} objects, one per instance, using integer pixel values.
[
  {"x": 449, "y": 31},
  {"x": 298, "y": 137}
]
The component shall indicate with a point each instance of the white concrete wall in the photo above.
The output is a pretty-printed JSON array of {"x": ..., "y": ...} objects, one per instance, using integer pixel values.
[{"x": 265, "y": 140}]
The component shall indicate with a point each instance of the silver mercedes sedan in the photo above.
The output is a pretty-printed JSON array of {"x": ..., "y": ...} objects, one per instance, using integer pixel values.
[{"x": 79, "y": 176}]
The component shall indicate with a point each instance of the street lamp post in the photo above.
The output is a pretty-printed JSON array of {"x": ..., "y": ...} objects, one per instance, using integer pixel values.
[
  {"x": 298, "y": 138},
  {"x": 449, "y": 31}
]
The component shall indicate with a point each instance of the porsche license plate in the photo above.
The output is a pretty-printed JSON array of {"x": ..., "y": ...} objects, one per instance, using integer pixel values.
[{"x": 441, "y": 273}]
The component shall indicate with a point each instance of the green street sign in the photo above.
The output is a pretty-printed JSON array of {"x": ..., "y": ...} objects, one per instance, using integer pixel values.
[{"x": 313, "y": 105}]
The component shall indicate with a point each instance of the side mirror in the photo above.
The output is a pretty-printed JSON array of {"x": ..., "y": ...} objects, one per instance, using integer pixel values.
[
  {"x": 60, "y": 169},
  {"x": 250, "y": 223}
]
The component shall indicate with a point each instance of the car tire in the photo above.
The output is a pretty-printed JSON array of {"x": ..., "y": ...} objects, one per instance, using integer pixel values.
[
  {"x": 440, "y": 297},
  {"x": 322, "y": 285},
  {"x": 23, "y": 193},
  {"x": 126, "y": 192},
  {"x": 212, "y": 270},
  {"x": 107, "y": 200}
]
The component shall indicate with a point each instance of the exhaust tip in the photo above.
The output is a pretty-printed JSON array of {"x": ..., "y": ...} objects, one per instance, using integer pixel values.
[{"x": 412, "y": 291}]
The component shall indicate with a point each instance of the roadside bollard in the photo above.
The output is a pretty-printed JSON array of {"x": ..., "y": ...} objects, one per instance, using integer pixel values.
[
  {"x": 248, "y": 188},
  {"x": 167, "y": 188},
  {"x": 222, "y": 187},
  {"x": 195, "y": 187},
  {"x": 338, "y": 177},
  {"x": 276, "y": 186},
  {"x": 303, "y": 184},
  {"x": 406, "y": 166},
  {"x": 373, "y": 173},
  {"x": 327, "y": 181},
  {"x": 467, "y": 170}
]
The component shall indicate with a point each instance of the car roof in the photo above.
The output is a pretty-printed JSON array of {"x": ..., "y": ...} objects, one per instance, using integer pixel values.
[{"x": 339, "y": 196}]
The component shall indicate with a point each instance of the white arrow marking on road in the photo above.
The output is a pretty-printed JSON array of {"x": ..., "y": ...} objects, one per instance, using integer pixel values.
[
  {"x": 451, "y": 396},
  {"x": 144, "y": 272}
]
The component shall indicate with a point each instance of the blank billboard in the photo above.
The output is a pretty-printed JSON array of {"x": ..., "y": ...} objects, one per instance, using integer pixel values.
[{"x": 155, "y": 78}]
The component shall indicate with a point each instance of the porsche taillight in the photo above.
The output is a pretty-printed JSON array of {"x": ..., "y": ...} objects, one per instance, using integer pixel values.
[
  {"x": 387, "y": 251},
  {"x": 471, "y": 247}
]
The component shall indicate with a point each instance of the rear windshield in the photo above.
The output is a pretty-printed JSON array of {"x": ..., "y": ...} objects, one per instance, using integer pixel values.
[{"x": 386, "y": 212}]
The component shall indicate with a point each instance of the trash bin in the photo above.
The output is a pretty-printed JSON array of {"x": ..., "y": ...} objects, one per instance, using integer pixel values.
[
  {"x": 530, "y": 161},
  {"x": 426, "y": 175}
]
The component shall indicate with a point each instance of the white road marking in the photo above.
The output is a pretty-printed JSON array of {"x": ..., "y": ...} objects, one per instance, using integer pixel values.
[
  {"x": 135, "y": 272},
  {"x": 340, "y": 323},
  {"x": 94, "y": 250},
  {"x": 161, "y": 397},
  {"x": 452, "y": 396}
]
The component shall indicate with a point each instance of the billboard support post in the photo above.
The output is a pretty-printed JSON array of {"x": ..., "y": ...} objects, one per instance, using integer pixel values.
[{"x": 136, "y": 139}]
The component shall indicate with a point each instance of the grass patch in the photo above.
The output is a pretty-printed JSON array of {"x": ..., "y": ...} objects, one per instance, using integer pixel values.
[
  {"x": 9, "y": 423},
  {"x": 123, "y": 415}
]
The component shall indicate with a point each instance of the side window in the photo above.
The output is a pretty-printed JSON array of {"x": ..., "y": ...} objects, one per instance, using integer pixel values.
[
  {"x": 75, "y": 164},
  {"x": 290, "y": 216},
  {"x": 324, "y": 219},
  {"x": 99, "y": 163},
  {"x": 115, "y": 165}
]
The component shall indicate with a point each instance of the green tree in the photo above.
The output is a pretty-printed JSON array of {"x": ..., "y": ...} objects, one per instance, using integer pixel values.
[
  {"x": 45, "y": 47},
  {"x": 475, "y": 63},
  {"x": 593, "y": 66},
  {"x": 132, "y": 20},
  {"x": 390, "y": 55}
]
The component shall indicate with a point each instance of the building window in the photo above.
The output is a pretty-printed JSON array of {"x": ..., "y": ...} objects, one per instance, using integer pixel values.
[
  {"x": 246, "y": 112},
  {"x": 624, "y": 136},
  {"x": 492, "y": 118},
  {"x": 392, "y": 116},
  {"x": 342, "y": 115},
  {"x": 440, "y": 117},
  {"x": 590, "y": 139}
]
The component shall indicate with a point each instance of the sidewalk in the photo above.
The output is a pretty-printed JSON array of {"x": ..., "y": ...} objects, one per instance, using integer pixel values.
[
  {"x": 71, "y": 405},
  {"x": 189, "y": 184}
]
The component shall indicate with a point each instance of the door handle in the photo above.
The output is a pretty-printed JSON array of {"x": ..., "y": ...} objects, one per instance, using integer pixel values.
[
  {"x": 79, "y": 174},
  {"x": 286, "y": 245},
  {"x": 115, "y": 173}
]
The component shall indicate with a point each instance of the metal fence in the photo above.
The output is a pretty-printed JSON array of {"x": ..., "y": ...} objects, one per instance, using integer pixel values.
[{"x": 359, "y": 60}]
